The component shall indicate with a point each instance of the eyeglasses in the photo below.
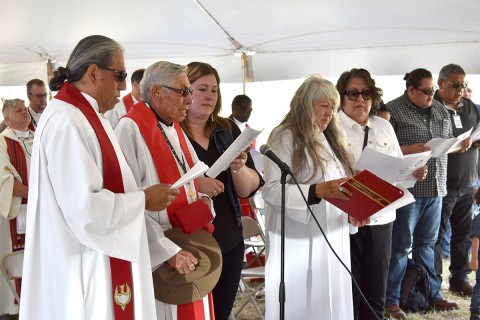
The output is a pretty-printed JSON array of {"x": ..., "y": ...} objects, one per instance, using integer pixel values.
[
  {"x": 428, "y": 91},
  {"x": 456, "y": 85},
  {"x": 354, "y": 94},
  {"x": 39, "y": 95},
  {"x": 121, "y": 75},
  {"x": 184, "y": 92}
]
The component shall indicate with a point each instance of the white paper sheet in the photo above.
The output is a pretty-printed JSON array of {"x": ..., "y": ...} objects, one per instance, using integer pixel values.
[
  {"x": 441, "y": 146},
  {"x": 392, "y": 169},
  {"x": 197, "y": 170},
  {"x": 240, "y": 144}
]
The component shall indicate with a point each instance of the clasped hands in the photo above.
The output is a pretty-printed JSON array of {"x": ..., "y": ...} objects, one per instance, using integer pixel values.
[{"x": 184, "y": 262}]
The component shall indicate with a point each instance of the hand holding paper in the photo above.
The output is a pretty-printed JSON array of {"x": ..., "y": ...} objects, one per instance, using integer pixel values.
[{"x": 197, "y": 170}]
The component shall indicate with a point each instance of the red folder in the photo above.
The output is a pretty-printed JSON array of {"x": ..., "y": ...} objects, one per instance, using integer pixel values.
[{"x": 370, "y": 195}]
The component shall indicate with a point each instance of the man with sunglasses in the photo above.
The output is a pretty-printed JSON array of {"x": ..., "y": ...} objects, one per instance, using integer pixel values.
[
  {"x": 86, "y": 254},
  {"x": 462, "y": 177},
  {"x": 124, "y": 105},
  {"x": 417, "y": 118},
  {"x": 37, "y": 97}
]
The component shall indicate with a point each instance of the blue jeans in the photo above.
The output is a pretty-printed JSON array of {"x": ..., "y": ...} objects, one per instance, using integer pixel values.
[
  {"x": 475, "y": 302},
  {"x": 419, "y": 220}
]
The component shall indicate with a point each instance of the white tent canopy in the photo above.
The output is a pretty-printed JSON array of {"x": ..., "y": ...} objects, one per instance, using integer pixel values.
[{"x": 291, "y": 38}]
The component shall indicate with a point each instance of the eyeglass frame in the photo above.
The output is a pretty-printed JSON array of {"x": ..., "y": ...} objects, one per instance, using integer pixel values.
[
  {"x": 184, "y": 92},
  {"x": 121, "y": 75},
  {"x": 357, "y": 94},
  {"x": 456, "y": 85},
  {"x": 428, "y": 92},
  {"x": 38, "y": 95}
]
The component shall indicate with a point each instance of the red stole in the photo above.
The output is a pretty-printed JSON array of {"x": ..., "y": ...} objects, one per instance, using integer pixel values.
[
  {"x": 128, "y": 101},
  {"x": 167, "y": 170},
  {"x": 19, "y": 162},
  {"x": 122, "y": 282}
]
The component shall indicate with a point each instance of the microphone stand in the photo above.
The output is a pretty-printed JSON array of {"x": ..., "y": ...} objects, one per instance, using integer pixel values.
[{"x": 282, "y": 247}]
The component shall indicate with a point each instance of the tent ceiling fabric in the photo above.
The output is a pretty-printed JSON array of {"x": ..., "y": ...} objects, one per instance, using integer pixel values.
[{"x": 291, "y": 38}]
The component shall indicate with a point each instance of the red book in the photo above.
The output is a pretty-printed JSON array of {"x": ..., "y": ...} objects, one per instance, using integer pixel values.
[{"x": 370, "y": 195}]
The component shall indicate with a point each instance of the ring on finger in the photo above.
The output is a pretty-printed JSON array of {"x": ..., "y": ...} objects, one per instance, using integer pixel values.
[{"x": 340, "y": 189}]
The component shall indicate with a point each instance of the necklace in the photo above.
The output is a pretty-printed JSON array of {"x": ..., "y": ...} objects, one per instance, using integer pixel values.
[{"x": 189, "y": 190}]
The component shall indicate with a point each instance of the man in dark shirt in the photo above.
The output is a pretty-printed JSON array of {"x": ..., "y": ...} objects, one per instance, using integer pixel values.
[{"x": 462, "y": 176}]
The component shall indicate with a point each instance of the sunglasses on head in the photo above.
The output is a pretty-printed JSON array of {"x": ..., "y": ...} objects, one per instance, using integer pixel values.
[
  {"x": 354, "y": 94},
  {"x": 183, "y": 92},
  {"x": 121, "y": 75}
]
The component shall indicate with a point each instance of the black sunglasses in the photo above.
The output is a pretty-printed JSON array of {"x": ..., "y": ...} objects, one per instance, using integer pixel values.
[
  {"x": 121, "y": 75},
  {"x": 184, "y": 92},
  {"x": 428, "y": 91},
  {"x": 354, "y": 94},
  {"x": 456, "y": 85}
]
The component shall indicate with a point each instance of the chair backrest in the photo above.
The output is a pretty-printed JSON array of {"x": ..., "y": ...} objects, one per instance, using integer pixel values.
[
  {"x": 251, "y": 228},
  {"x": 12, "y": 265}
]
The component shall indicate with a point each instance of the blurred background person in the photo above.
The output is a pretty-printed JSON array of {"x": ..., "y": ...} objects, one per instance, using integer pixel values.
[
  {"x": 125, "y": 103},
  {"x": 16, "y": 143},
  {"x": 310, "y": 140},
  {"x": 210, "y": 136}
]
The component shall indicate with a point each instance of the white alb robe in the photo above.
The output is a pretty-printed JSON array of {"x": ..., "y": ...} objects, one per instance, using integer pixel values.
[
  {"x": 74, "y": 225},
  {"x": 10, "y": 207},
  {"x": 117, "y": 112},
  {"x": 316, "y": 284},
  {"x": 141, "y": 162}
]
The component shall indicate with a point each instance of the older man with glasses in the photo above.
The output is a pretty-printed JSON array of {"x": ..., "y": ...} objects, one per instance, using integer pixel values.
[
  {"x": 37, "y": 97},
  {"x": 462, "y": 177}
]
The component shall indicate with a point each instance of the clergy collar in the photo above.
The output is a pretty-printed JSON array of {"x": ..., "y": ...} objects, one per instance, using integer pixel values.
[{"x": 158, "y": 117}]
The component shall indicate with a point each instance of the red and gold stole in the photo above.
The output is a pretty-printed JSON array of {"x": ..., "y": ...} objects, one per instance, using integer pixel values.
[
  {"x": 167, "y": 170},
  {"x": 122, "y": 282}
]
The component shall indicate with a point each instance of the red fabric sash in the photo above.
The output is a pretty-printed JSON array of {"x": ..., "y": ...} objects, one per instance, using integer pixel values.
[
  {"x": 19, "y": 162},
  {"x": 31, "y": 126},
  {"x": 167, "y": 170},
  {"x": 128, "y": 101},
  {"x": 122, "y": 282}
]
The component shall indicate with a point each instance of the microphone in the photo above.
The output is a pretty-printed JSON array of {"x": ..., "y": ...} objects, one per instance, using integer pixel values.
[{"x": 266, "y": 151}]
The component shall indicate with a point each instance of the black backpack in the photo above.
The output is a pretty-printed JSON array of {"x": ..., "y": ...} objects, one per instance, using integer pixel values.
[{"x": 415, "y": 288}]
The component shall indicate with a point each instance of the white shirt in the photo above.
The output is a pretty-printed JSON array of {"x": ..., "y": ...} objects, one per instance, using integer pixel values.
[{"x": 381, "y": 137}]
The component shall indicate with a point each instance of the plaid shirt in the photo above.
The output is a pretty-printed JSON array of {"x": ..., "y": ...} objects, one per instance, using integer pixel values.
[{"x": 410, "y": 128}]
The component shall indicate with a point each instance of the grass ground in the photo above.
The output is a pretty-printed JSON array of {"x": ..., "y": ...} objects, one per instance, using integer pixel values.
[{"x": 463, "y": 313}]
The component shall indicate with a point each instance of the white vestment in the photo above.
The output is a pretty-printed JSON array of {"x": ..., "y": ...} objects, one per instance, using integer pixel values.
[
  {"x": 317, "y": 286},
  {"x": 74, "y": 225},
  {"x": 141, "y": 162},
  {"x": 117, "y": 112},
  {"x": 10, "y": 207}
]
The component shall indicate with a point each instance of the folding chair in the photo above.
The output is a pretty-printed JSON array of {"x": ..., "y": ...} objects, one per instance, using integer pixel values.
[
  {"x": 12, "y": 267},
  {"x": 252, "y": 229},
  {"x": 254, "y": 239}
]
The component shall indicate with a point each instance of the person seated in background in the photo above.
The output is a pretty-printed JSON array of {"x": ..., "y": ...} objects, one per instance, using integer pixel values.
[
  {"x": 15, "y": 150},
  {"x": 125, "y": 103},
  {"x": 311, "y": 142}
]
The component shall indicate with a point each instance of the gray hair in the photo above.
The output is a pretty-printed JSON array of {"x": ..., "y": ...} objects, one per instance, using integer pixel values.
[
  {"x": 95, "y": 49},
  {"x": 159, "y": 73},
  {"x": 450, "y": 69},
  {"x": 9, "y": 104}
]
